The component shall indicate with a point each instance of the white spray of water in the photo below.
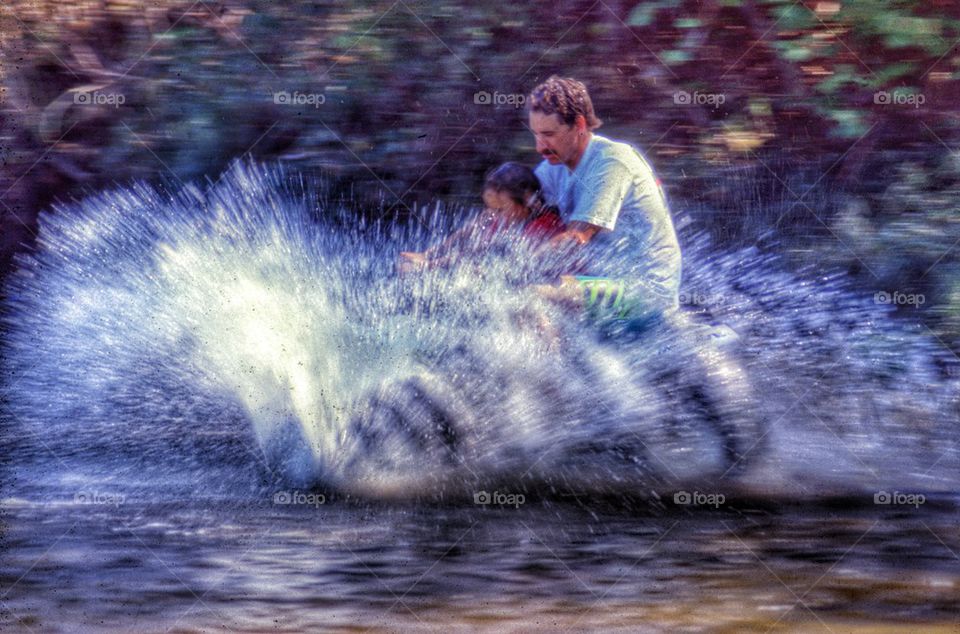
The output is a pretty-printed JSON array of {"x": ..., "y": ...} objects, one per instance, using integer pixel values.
[{"x": 145, "y": 319}]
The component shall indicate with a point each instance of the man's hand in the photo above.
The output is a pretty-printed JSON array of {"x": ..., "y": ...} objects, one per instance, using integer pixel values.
[{"x": 577, "y": 233}]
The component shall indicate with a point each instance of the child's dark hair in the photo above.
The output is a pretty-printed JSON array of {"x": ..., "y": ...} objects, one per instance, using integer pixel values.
[{"x": 517, "y": 181}]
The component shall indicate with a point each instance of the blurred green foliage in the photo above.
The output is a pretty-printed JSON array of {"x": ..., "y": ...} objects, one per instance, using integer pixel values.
[{"x": 904, "y": 238}]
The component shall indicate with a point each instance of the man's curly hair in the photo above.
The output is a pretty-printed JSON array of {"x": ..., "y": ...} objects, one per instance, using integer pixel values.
[{"x": 565, "y": 97}]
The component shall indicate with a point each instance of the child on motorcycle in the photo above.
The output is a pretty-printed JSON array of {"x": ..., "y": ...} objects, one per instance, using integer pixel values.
[{"x": 512, "y": 200}]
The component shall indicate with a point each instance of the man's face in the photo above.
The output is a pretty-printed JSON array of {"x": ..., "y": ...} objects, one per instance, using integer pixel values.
[{"x": 556, "y": 141}]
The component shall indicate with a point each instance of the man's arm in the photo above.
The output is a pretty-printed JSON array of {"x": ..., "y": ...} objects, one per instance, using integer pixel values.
[{"x": 602, "y": 194}]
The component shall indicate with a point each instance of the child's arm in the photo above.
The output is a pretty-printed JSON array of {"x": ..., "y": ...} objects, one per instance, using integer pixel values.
[
  {"x": 438, "y": 255},
  {"x": 412, "y": 261}
]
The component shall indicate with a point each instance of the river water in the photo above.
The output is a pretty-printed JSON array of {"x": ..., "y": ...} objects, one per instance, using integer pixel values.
[{"x": 124, "y": 564}]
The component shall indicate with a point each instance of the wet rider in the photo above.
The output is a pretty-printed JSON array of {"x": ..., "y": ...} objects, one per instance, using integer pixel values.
[{"x": 610, "y": 200}]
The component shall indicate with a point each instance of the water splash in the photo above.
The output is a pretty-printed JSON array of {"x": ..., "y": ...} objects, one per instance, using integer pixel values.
[{"x": 258, "y": 328}]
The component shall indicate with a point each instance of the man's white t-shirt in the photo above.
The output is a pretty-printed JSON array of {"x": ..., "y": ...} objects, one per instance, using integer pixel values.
[{"x": 613, "y": 187}]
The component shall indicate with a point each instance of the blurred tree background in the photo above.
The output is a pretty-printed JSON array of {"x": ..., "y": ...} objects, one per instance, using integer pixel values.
[{"x": 831, "y": 125}]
